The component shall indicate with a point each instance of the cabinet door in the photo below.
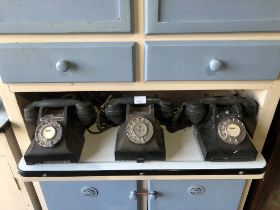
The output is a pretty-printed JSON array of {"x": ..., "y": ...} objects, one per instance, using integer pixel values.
[
  {"x": 64, "y": 16},
  {"x": 195, "y": 194},
  {"x": 191, "y": 16},
  {"x": 89, "y": 195}
]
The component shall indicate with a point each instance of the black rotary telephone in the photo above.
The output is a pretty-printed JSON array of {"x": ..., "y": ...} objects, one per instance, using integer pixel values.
[
  {"x": 60, "y": 126},
  {"x": 140, "y": 136},
  {"x": 220, "y": 127}
]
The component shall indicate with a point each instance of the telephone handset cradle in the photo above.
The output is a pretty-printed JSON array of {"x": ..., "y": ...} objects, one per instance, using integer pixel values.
[
  {"x": 140, "y": 136},
  {"x": 219, "y": 127},
  {"x": 59, "y": 129}
]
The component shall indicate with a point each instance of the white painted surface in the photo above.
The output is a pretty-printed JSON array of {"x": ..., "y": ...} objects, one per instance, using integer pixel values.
[
  {"x": 10, "y": 196},
  {"x": 183, "y": 153}
]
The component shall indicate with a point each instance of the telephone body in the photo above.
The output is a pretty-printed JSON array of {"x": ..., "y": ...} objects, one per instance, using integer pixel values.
[
  {"x": 140, "y": 136},
  {"x": 60, "y": 126},
  {"x": 220, "y": 129}
]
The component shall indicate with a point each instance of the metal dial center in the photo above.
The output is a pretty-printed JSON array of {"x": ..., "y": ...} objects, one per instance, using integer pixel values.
[
  {"x": 49, "y": 132},
  {"x": 140, "y": 129},
  {"x": 233, "y": 130}
]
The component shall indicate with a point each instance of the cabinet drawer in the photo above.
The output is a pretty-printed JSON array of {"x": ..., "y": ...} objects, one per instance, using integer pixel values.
[
  {"x": 212, "y": 60},
  {"x": 67, "y": 62},
  {"x": 86, "y": 195},
  {"x": 191, "y": 16},
  {"x": 195, "y": 194},
  {"x": 64, "y": 16}
]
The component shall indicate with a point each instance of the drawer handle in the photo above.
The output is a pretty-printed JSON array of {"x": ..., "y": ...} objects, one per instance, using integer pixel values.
[
  {"x": 133, "y": 195},
  {"x": 215, "y": 65},
  {"x": 196, "y": 190},
  {"x": 89, "y": 192},
  {"x": 152, "y": 195},
  {"x": 62, "y": 65}
]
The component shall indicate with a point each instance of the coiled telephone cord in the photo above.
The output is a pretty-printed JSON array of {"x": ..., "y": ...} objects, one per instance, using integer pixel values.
[{"x": 102, "y": 122}]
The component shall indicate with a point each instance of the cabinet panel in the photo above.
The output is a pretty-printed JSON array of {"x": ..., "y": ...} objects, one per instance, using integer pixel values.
[
  {"x": 64, "y": 16},
  {"x": 196, "y": 194},
  {"x": 190, "y": 16},
  {"x": 86, "y": 195},
  {"x": 212, "y": 60},
  {"x": 67, "y": 62},
  {"x": 11, "y": 197}
]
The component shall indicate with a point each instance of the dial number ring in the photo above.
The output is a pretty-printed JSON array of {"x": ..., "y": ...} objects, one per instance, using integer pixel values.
[
  {"x": 48, "y": 133},
  {"x": 231, "y": 131},
  {"x": 139, "y": 130}
]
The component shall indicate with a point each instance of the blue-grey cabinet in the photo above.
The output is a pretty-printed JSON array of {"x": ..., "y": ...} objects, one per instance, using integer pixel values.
[
  {"x": 67, "y": 62},
  {"x": 212, "y": 60},
  {"x": 65, "y": 16},
  {"x": 89, "y": 195},
  {"x": 192, "y": 16},
  {"x": 195, "y": 194}
]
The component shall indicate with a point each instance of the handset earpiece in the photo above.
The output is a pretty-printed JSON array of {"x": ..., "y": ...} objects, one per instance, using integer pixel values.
[
  {"x": 195, "y": 112},
  {"x": 249, "y": 107},
  {"x": 86, "y": 113},
  {"x": 30, "y": 114},
  {"x": 165, "y": 109},
  {"x": 116, "y": 109}
]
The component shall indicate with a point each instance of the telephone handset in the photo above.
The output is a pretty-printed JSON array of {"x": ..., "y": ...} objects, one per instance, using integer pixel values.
[
  {"x": 60, "y": 126},
  {"x": 220, "y": 128},
  {"x": 116, "y": 108},
  {"x": 140, "y": 136}
]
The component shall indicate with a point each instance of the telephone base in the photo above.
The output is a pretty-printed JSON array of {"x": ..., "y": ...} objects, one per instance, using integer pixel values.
[
  {"x": 66, "y": 150},
  {"x": 152, "y": 150},
  {"x": 215, "y": 150}
]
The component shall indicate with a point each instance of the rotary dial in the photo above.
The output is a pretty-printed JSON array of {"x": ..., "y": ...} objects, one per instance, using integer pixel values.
[
  {"x": 231, "y": 131},
  {"x": 48, "y": 133},
  {"x": 139, "y": 130}
]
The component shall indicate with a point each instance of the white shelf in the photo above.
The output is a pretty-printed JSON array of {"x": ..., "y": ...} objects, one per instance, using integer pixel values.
[
  {"x": 183, "y": 155},
  {"x": 180, "y": 147}
]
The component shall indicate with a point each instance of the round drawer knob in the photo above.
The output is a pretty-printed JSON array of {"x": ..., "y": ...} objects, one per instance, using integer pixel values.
[
  {"x": 196, "y": 190},
  {"x": 215, "y": 65},
  {"x": 133, "y": 195},
  {"x": 152, "y": 195},
  {"x": 62, "y": 66},
  {"x": 89, "y": 192}
]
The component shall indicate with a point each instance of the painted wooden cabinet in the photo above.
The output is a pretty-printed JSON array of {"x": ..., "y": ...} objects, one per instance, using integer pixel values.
[
  {"x": 196, "y": 16},
  {"x": 90, "y": 195},
  {"x": 65, "y": 16},
  {"x": 195, "y": 194},
  {"x": 147, "y": 60},
  {"x": 212, "y": 60},
  {"x": 67, "y": 62},
  {"x": 14, "y": 193},
  {"x": 11, "y": 195},
  {"x": 162, "y": 195}
]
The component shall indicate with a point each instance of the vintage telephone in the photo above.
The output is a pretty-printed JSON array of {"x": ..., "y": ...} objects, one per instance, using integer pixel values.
[
  {"x": 60, "y": 126},
  {"x": 220, "y": 127},
  {"x": 140, "y": 136}
]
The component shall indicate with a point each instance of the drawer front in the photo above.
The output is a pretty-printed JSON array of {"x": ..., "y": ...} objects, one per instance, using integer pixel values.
[
  {"x": 206, "y": 60},
  {"x": 65, "y": 16},
  {"x": 190, "y": 16},
  {"x": 67, "y": 62},
  {"x": 85, "y": 195},
  {"x": 195, "y": 194}
]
